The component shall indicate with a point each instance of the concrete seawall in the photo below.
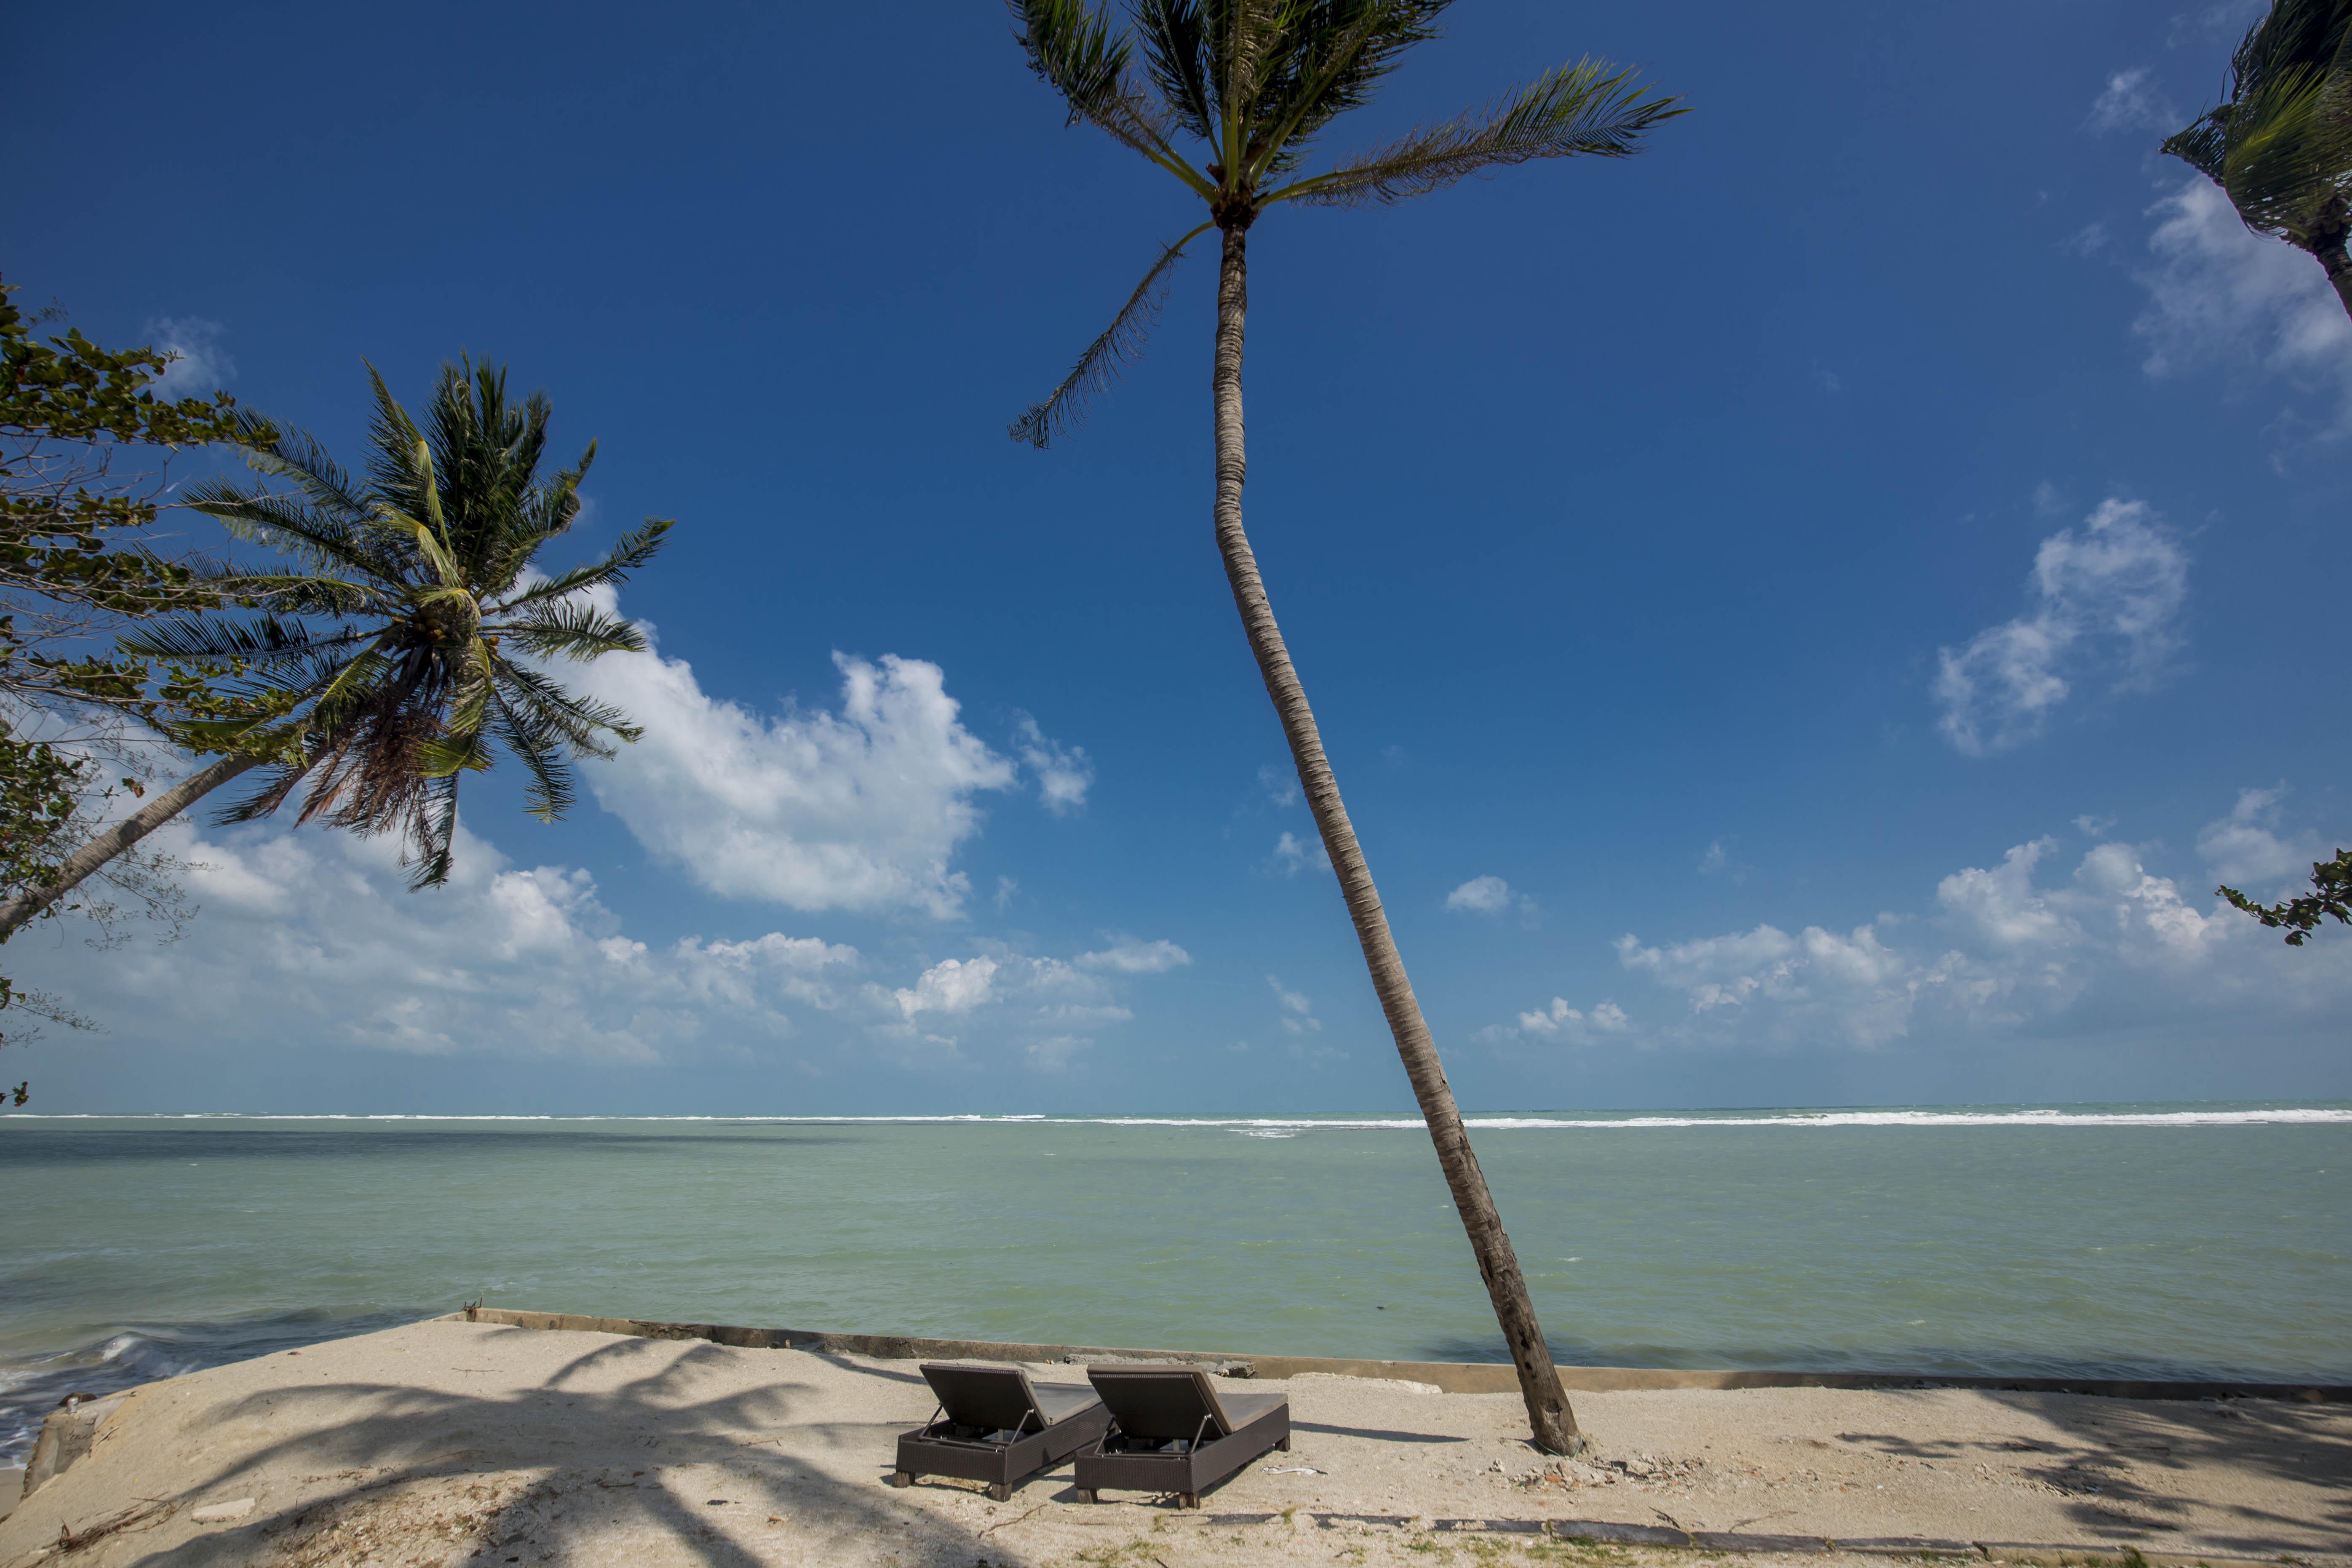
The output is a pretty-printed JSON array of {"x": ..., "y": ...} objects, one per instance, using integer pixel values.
[{"x": 1452, "y": 1376}]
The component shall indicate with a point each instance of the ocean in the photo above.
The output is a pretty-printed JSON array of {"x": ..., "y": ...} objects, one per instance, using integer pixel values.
[{"x": 2204, "y": 1241}]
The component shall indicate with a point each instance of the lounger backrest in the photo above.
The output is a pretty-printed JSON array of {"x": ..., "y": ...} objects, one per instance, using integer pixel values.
[
  {"x": 1161, "y": 1402},
  {"x": 994, "y": 1396}
]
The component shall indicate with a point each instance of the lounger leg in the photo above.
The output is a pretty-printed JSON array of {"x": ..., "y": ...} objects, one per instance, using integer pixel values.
[
  {"x": 1284, "y": 1445},
  {"x": 1082, "y": 1494},
  {"x": 998, "y": 1492},
  {"x": 902, "y": 1478},
  {"x": 1188, "y": 1500}
]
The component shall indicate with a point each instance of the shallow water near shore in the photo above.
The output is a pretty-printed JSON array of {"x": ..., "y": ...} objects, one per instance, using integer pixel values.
[{"x": 2167, "y": 1241}]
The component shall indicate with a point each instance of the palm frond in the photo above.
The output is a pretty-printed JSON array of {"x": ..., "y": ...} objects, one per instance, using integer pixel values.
[
  {"x": 307, "y": 532},
  {"x": 296, "y": 454},
  {"x": 2289, "y": 153},
  {"x": 295, "y": 592},
  {"x": 2281, "y": 142},
  {"x": 1121, "y": 342},
  {"x": 1073, "y": 50},
  {"x": 582, "y": 723},
  {"x": 1176, "y": 57},
  {"x": 1575, "y": 110},
  {"x": 278, "y": 782},
  {"x": 549, "y": 794},
  {"x": 630, "y": 551},
  {"x": 394, "y": 436},
  {"x": 269, "y": 642},
  {"x": 572, "y": 629},
  {"x": 1336, "y": 56},
  {"x": 2204, "y": 146},
  {"x": 373, "y": 680},
  {"x": 434, "y": 833}
]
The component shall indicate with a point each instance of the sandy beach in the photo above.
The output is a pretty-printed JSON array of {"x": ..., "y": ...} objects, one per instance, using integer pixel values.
[{"x": 448, "y": 1442}]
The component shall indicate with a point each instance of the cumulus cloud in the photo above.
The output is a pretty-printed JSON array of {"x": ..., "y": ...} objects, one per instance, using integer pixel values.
[
  {"x": 1045, "y": 1008},
  {"x": 2106, "y": 599},
  {"x": 1065, "y": 774},
  {"x": 2130, "y": 103},
  {"x": 2222, "y": 297},
  {"x": 2021, "y": 943},
  {"x": 2246, "y": 848},
  {"x": 1486, "y": 895},
  {"x": 202, "y": 367},
  {"x": 508, "y": 960},
  {"x": 505, "y": 960},
  {"x": 951, "y": 986},
  {"x": 1561, "y": 1021},
  {"x": 862, "y": 809}
]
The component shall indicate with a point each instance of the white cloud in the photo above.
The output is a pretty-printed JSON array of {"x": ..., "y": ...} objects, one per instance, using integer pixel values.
[
  {"x": 1298, "y": 1012},
  {"x": 1281, "y": 786},
  {"x": 951, "y": 986},
  {"x": 2245, "y": 849},
  {"x": 2220, "y": 296},
  {"x": 2129, "y": 103},
  {"x": 1006, "y": 887},
  {"x": 1485, "y": 895},
  {"x": 1065, "y": 774},
  {"x": 503, "y": 961},
  {"x": 2106, "y": 599},
  {"x": 1561, "y": 1021},
  {"x": 859, "y": 810},
  {"x": 2007, "y": 949},
  {"x": 1129, "y": 956},
  {"x": 1291, "y": 855},
  {"x": 203, "y": 366},
  {"x": 509, "y": 960}
]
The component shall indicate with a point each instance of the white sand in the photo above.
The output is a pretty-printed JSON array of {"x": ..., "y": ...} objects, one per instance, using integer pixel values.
[{"x": 447, "y": 1443}]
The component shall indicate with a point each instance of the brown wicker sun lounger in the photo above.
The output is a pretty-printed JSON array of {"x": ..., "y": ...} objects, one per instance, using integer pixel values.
[
  {"x": 1174, "y": 1430},
  {"x": 995, "y": 1426}
]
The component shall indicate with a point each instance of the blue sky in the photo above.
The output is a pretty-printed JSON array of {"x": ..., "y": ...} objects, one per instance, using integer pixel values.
[{"x": 1804, "y": 615}]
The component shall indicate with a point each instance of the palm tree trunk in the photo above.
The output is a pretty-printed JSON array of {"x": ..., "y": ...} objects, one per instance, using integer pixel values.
[
  {"x": 1549, "y": 1419},
  {"x": 118, "y": 838},
  {"x": 2332, "y": 257}
]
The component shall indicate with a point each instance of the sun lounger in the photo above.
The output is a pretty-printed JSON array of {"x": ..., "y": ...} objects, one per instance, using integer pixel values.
[
  {"x": 1175, "y": 1430},
  {"x": 995, "y": 1426}
]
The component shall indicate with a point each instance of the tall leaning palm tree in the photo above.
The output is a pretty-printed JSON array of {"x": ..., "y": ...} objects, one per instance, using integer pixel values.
[
  {"x": 1252, "y": 83},
  {"x": 2281, "y": 143},
  {"x": 382, "y": 663}
]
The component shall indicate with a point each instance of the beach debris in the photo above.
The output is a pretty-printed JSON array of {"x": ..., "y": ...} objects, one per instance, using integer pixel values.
[
  {"x": 222, "y": 1512},
  {"x": 1638, "y": 1469},
  {"x": 146, "y": 1515},
  {"x": 1295, "y": 1470}
]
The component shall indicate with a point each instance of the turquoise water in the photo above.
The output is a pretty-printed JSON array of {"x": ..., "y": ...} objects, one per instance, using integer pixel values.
[{"x": 2170, "y": 1241}]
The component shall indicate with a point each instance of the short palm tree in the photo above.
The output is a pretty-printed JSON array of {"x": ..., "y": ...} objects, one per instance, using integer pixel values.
[
  {"x": 1254, "y": 82},
  {"x": 384, "y": 658},
  {"x": 2280, "y": 144}
]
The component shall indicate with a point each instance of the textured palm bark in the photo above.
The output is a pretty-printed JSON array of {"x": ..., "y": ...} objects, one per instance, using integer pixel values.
[
  {"x": 1549, "y": 1419},
  {"x": 83, "y": 862},
  {"x": 2332, "y": 256}
]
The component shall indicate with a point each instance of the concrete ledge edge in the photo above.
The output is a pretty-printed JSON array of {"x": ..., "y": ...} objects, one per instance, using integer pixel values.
[{"x": 1453, "y": 1378}]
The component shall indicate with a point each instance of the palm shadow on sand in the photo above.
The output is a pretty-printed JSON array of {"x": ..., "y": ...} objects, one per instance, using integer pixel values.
[
  {"x": 2109, "y": 1443},
  {"x": 604, "y": 1450}
]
